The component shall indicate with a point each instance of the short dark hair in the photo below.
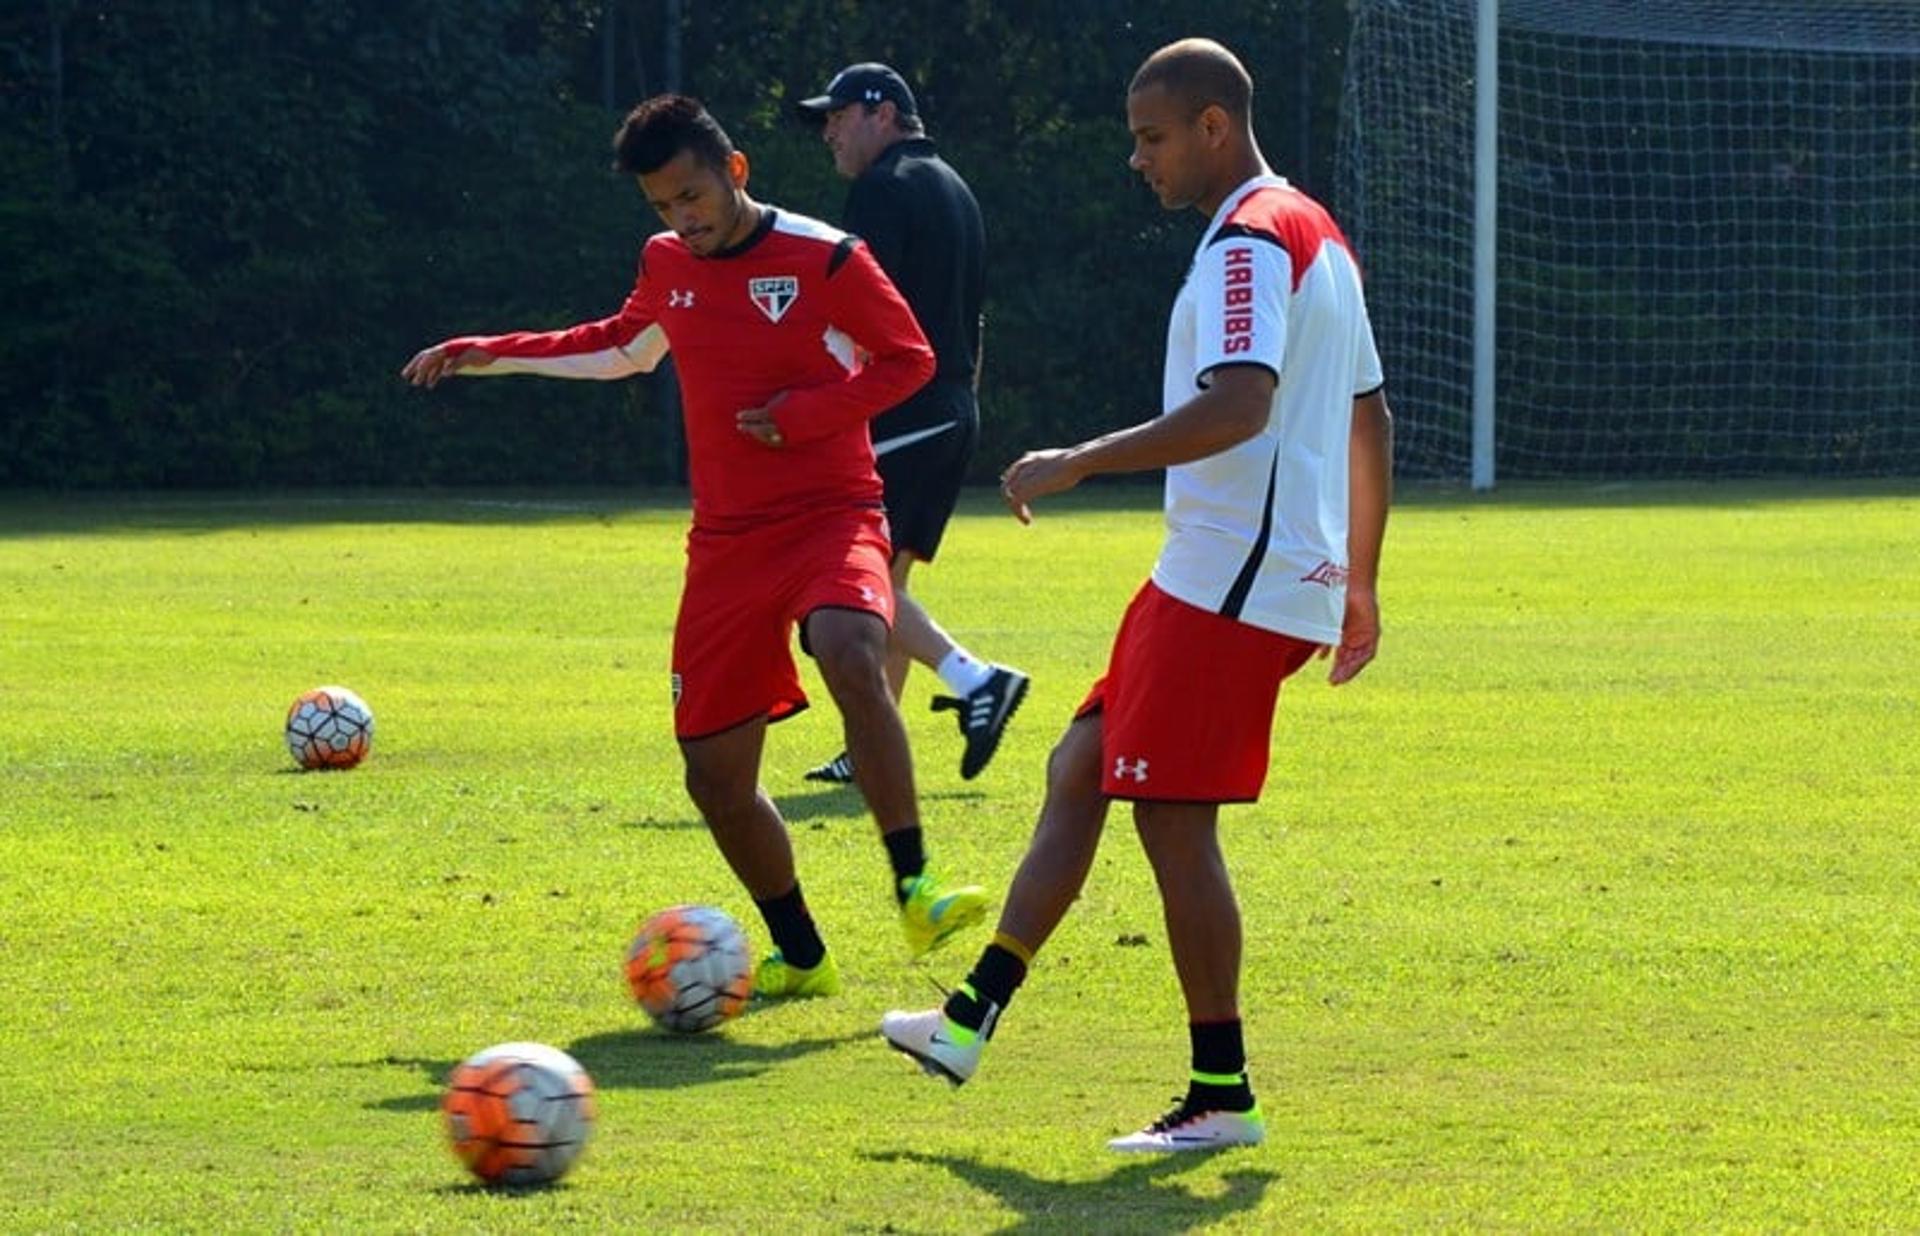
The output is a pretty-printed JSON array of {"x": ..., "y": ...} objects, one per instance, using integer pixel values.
[
  {"x": 663, "y": 126},
  {"x": 1200, "y": 73},
  {"x": 909, "y": 123}
]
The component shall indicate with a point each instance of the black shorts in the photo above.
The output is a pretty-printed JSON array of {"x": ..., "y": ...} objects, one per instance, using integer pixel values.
[{"x": 923, "y": 448}]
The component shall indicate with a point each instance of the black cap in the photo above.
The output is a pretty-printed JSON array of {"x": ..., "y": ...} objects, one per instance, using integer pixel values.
[{"x": 862, "y": 83}]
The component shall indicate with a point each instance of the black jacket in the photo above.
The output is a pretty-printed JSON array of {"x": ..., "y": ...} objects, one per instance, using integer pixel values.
[{"x": 924, "y": 227}]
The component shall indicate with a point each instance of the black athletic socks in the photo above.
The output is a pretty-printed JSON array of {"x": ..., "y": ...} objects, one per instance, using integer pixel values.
[
  {"x": 995, "y": 978},
  {"x": 1217, "y": 1047},
  {"x": 792, "y": 929},
  {"x": 998, "y": 974},
  {"x": 907, "y": 852},
  {"x": 1219, "y": 1080}
]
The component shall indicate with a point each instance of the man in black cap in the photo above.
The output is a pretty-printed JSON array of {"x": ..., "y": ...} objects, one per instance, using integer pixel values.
[{"x": 921, "y": 222}]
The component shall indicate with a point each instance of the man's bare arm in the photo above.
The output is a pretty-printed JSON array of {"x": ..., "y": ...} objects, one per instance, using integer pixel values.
[
  {"x": 1233, "y": 408},
  {"x": 1369, "y": 493}
]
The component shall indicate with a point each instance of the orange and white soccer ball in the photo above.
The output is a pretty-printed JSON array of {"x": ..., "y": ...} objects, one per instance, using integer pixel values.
[
  {"x": 519, "y": 1113},
  {"x": 329, "y": 727},
  {"x": 689, "y": 968}
]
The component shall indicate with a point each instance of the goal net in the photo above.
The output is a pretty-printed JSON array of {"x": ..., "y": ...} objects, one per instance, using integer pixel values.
[{"x": 1708, "y": 254}]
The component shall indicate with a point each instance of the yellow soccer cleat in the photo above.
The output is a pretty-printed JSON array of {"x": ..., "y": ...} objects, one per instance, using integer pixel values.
[
  {"x": 774, "y": 979},
  {"x": 932, "y": 913}
]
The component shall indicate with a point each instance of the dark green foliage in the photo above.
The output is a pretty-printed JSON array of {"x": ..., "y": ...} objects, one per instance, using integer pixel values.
[{"x": 225, "y": 224}]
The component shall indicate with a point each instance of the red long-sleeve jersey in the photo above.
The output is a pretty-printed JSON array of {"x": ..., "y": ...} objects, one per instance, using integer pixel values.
[{"x": 798, "y": 308}]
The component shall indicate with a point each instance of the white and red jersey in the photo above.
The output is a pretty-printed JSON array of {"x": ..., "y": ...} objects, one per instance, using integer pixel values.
[
  {"x": 1259, "y": 532},
  {"x": 798, "y": 309}
]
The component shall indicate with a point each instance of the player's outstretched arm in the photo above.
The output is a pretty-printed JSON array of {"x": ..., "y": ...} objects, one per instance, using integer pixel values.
[
  {"x": 1369, "y": 493},
  {"x": 429, "y": 365},
  {"x": 627, "y": 343},
  {"x": 1037, "y": 474},
  {"x": 1234, "y": 407}
]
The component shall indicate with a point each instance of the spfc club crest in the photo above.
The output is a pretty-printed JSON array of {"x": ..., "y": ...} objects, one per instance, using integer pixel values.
[{"x": 774, "y": 294}]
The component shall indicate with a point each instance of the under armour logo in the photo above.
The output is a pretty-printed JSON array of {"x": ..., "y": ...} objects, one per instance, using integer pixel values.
[
  {"x": 867, "y": 594},
  {"x": 1328, "y": 575},
  {"x": 1122, "y": 768},
  {"x": 677, "y": 299}
]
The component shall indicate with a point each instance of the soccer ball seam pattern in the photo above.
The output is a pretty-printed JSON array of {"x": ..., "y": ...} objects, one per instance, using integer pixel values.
[
  {"x": 690, "y": 969},
  {"x": 329, "y": 727},
  {"x": 519, "y": 1113}
]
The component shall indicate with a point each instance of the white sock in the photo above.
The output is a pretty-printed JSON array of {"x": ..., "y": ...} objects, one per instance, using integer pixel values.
[{"x": 963, "y": 672}]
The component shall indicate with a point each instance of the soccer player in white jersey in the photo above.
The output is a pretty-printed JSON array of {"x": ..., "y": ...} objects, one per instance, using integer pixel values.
[{"x": 1278, "y": 449}]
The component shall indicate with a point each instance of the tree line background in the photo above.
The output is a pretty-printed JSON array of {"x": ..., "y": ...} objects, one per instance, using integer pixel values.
[{"x": 225, "y": 224}]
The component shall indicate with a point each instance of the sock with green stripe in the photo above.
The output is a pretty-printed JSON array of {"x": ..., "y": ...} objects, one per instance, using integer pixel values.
[
  {"x": 1219, "y": 1080},
  {"x": 976, "y": 1004},
  {"x": 969, "y": 1015}
]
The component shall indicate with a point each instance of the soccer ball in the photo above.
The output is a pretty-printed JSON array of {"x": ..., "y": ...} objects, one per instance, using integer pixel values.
[
  {"x": 689, "y": 968},
  {"x": 519, "y": 1113},
  {"x": 329, "y": 727}
]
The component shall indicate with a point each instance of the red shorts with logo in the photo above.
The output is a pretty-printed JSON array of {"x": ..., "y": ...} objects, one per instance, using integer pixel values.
[
  {"x": 733, "y": 640},
  {"x": 1187, "y": 702}
]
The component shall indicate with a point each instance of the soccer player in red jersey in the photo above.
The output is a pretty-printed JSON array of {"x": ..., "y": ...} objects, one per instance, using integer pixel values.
[
  {"x": 1278, "y": 450},
  {"x": 787, "y": 338}
]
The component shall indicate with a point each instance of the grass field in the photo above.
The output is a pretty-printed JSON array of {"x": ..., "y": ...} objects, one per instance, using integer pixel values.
[{"x": 1590, "y": 906}]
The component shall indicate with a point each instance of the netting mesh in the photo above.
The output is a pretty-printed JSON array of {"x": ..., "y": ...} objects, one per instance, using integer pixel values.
[{"x": 1709, "y": 232}]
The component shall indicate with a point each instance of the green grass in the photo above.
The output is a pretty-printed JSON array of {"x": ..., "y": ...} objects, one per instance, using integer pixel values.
[{"x": 1591, "y": 905}]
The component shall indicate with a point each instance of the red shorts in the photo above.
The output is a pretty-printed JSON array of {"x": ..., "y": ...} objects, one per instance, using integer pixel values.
[
  {"x": 1188, "y": 702},
  {"x": 733, "y": 640}
]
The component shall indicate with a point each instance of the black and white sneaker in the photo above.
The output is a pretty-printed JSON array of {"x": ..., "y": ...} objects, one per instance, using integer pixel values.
[
  {"x": 1189, "y": 1128},
  {"x": 984, "y": 714},
  {"x": 836, "y": 771}
]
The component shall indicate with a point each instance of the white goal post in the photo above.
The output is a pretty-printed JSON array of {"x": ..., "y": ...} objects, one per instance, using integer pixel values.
[{"x": 1624, "y": 238}]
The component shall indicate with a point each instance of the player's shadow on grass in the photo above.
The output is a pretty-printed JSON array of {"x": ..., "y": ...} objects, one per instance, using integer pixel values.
[
  {"x": 656, "y": 1060},
  {"x": 812, "y": 808},
  {"x": 642, "y": 1060},
  {"x": 1139, "y": 1196},
  {"x": 673, "y": 824},
  {"x": 843, "y": 802},
  {"x": 839, "y": 802}
]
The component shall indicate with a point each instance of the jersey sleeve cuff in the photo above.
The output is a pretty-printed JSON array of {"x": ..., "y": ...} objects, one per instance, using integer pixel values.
[{"x": 1204, "y": 378}]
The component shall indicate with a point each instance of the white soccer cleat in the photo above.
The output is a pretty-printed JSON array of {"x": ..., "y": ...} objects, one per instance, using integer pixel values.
[
  {"x": 1186, "y": 1129},
  {"x": 943, "y": 1047}
]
